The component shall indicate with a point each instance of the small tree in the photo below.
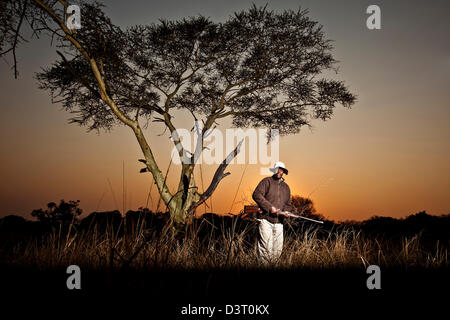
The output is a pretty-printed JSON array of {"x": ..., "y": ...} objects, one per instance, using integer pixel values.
[
  {"x": 304, "y": 206},
  {"x": 65, "y": 213},
  {"x": 259, "y": 68}
]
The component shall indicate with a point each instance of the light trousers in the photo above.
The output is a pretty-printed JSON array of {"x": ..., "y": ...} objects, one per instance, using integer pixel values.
[{"x": 270, "y": 243}]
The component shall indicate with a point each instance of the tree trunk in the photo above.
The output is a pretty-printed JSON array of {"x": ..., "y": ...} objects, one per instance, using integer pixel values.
[
  {"x": 186, "y": 200},
  {"x": 183, "y": 204},
  {"x": 180, "y": 204}
]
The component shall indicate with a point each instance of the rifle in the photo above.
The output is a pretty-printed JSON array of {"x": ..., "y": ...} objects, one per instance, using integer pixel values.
[
  {"x": 292, "y": 215},
  {"x": 255, "y": 209}
]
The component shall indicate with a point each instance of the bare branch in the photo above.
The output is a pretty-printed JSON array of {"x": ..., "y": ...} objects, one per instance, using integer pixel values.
[{"x": 218, "y": 176}]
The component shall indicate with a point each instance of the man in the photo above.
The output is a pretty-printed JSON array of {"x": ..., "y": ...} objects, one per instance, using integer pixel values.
[{"x": 273, "y": 197}]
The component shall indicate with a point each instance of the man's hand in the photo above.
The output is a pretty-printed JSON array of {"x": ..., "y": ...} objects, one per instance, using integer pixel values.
[{"x": 278, "y": 211}]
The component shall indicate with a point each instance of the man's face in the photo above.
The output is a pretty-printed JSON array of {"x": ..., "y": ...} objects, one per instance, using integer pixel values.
[{"x": 280, "y": 173}]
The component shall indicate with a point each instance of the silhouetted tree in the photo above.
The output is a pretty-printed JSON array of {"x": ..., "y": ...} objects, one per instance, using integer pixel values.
[
  {"x": 260, "y": 68},
  {"x": 304, "y": 206},
  {"x": 64, "y": 213}
]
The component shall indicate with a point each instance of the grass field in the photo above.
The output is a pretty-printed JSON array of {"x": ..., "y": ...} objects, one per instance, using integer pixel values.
[
  {"x": 201, "y": 248},
  {"x": 214, "y": 262}
]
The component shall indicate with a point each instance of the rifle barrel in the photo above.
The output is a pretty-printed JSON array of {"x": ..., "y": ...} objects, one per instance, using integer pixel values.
[
  {"x": 302, "y": 217},
  {"x": 289, "y": 214}
]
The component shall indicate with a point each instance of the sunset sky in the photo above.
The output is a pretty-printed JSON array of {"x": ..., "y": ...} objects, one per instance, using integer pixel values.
[{"x": 387, "y": 156}]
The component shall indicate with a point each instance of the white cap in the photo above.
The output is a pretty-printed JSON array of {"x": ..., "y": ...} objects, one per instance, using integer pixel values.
[{"x": 280, "y": 165}]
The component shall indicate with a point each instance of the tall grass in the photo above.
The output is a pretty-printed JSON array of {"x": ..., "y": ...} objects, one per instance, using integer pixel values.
[{"x": 223, "y": 247}]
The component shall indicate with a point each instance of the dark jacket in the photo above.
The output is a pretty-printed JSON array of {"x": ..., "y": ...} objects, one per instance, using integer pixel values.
[{"x": 272, "y": 192}]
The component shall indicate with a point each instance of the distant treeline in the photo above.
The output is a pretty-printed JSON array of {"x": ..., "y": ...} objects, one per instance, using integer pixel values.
[{"x": 14, "y": 229}]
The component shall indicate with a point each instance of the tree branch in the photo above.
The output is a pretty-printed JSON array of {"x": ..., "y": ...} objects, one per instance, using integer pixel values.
[
  {"x": 16, "y": 38},
  {"x": 218, "y": 176}
]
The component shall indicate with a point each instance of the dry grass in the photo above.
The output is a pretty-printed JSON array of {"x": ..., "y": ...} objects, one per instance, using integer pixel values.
[{"x": 229, "y": 248}]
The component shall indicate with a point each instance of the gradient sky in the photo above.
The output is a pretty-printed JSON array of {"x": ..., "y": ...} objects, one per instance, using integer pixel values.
[{"x": 386, "y": 156}]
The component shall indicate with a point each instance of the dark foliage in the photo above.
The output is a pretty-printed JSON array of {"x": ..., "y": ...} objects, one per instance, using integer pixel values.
[
  {"x": 260, "y": 67},
  {"x": 428, "y": 226},
  {"x": 64, "y": 213},
  {"x": 212, "y": 227},
  {"x": 101, "y": 221}
]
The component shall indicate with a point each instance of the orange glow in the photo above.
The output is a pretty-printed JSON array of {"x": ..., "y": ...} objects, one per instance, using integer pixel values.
[{"x": 387, "y": 156}]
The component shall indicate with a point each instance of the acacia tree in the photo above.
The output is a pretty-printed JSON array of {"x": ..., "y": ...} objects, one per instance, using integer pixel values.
[{"x": 259, "y": 67}]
